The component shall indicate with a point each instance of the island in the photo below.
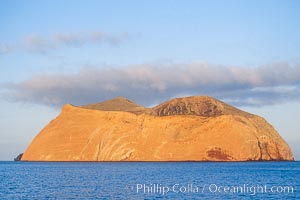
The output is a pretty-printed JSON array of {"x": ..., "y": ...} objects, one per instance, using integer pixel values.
[{"x": 196, "y": 128}]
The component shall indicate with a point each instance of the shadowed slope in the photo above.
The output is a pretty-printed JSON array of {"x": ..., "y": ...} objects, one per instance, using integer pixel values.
[{"x": 197, "y": 105}]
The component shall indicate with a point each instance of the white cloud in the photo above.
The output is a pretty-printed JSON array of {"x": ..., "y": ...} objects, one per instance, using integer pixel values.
[{"x": 146, "y": 84}]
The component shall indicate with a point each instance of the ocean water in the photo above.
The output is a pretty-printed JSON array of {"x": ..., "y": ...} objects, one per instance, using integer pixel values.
[{"x": 150, "y": 180}]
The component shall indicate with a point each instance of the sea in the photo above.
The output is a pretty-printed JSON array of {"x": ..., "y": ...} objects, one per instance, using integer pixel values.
[{"x": 149, "y": 180}]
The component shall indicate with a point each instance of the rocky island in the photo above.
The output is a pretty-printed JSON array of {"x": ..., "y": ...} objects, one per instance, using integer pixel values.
[{"x": 197, "y": 128}]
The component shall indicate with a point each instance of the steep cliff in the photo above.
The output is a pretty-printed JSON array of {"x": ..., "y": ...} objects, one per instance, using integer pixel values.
[{"x": 196, "y": 128}]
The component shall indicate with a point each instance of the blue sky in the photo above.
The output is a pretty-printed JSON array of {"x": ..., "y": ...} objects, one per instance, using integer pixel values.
[{"x": 243, "y": 52}]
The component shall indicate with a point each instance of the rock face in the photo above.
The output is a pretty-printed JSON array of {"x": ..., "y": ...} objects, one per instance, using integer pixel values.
[
  {"x": 198, "y": 128},
  {"x": 19, "y": 157}
]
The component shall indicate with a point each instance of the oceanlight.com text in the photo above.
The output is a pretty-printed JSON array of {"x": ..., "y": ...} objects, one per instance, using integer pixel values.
[{"x": 210, "y": 188}]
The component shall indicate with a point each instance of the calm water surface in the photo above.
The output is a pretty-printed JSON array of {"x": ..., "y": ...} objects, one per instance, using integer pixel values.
[{"x": 138, "y": 180}]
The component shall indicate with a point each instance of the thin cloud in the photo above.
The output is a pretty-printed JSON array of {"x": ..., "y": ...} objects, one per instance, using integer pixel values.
[
  {"x": 110, "y": 39},
  {"x": 150, "y": 84},
  {"x": 36, "y": 43},
  {"x": 4, "y": 48},
  {"x": 69, "y": 39}
]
